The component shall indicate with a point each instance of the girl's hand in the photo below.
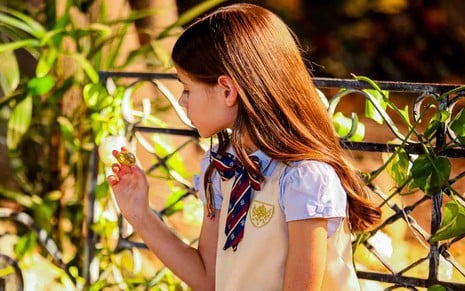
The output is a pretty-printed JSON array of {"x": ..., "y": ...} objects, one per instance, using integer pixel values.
[{"x": 130, "y": 186}]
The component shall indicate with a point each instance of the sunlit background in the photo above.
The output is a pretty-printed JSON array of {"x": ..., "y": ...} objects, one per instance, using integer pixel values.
[{"x": 391, "y": 40}]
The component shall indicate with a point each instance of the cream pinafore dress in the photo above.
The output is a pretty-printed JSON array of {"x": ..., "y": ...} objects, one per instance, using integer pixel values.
[{"x": 259, "y": 261}]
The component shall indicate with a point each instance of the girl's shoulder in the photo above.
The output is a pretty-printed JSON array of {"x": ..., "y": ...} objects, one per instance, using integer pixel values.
[
  {"x": 311, "y": 188},
  {"x": 305, "y": 169}
]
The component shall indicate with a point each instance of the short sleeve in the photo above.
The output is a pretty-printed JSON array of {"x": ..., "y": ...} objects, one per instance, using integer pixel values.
[
  {"x": 312, "y": 189},
  {"x": 215, "y": 179}
]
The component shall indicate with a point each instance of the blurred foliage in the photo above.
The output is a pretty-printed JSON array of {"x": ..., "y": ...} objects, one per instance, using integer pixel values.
[
  {"x": 398, "y": 40},
  {"x": 54, "y": 111},
  {"x": 395, "y": 40}
]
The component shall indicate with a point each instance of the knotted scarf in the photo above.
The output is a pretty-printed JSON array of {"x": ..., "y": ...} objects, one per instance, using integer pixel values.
[{"x": 241, "y": 192}]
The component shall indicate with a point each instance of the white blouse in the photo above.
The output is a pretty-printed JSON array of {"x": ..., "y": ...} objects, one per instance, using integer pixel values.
[{"x": 309, "y": 189}]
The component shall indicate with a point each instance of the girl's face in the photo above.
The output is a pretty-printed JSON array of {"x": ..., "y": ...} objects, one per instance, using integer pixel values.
[{"x": 210, "y": 108}]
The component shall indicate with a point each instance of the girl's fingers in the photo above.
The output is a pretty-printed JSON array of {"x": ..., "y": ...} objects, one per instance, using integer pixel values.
[
  {"x": 116, "y": 168},
  {"x": 125, "y": 170},
  {"x": 122, "y": 170},
  {"x": 112, "y": 180},
  {"x": 119, "y": 172}
]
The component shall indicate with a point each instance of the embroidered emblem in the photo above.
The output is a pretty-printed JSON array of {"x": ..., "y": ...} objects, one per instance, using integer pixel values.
[{"x": 261, "y": 213}]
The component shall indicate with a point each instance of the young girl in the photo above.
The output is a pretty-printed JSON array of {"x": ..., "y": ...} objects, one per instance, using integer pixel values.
[{"x": 280, "y": 200}]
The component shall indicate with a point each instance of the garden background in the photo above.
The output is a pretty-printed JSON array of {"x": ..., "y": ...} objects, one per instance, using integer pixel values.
[{"x": 54, "y": 110}]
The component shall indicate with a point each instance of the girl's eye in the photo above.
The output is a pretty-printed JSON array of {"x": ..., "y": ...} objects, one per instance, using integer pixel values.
[{"x": 185, "y": 93}]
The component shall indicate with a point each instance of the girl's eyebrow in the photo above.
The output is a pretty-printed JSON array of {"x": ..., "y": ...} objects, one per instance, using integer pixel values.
[{"x": 179, "y": 80}]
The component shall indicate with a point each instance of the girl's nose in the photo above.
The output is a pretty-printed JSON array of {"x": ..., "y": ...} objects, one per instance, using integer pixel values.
[{"x": 182, "y": 100}]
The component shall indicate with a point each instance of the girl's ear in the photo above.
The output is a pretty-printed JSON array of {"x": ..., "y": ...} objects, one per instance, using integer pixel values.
[{"x": 228, "y": 89}]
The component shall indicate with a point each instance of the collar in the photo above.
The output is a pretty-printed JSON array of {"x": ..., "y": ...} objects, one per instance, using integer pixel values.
[{"x": 265, "y": 161}]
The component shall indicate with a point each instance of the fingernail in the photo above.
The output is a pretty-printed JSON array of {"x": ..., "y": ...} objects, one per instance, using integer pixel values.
[
  {"x": 112, "y": 180},
  {"x": 115, "y": 168}
]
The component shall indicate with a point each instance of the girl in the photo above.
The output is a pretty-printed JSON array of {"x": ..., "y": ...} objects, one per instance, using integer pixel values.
[{"x": 280, "y": 200}]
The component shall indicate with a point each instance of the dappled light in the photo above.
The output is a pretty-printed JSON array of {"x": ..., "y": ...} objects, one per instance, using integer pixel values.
[{"x": 78, "y": 82}]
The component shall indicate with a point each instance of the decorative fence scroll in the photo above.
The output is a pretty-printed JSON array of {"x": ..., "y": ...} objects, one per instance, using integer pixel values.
[{"x": 422, "y": 148}]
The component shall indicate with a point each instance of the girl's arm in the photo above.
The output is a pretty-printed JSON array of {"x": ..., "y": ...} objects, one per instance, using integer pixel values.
[
  {"x": 195, "y": 266},
  {"x": 306, "y": 260}
]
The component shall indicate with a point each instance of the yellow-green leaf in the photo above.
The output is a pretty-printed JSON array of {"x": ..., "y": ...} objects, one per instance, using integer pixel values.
[
  {"x": 458, "y": 125},
  {"x": 9, "y": 78},
  {"x": 87, "y": 67},
  {"x": 46, "y": 62},
  {"x": 348, "y": 128},
  {"x": 10, "y": 46},
  {"x": 453, "y": 222},
  {"x": 370, "y": 109},
  {"x": 19, "y": 122},
  {"x": 40, "y": 86}
]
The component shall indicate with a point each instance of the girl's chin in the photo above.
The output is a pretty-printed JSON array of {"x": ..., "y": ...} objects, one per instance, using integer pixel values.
[
  {"x": 205, "y": 134},
  {"x": 209, "y": 133}
]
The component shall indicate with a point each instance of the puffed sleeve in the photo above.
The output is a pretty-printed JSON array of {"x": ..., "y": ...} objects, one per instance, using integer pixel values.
[
  {"x": 312, "y": 189},
  {"x": 216, "y": 183}
]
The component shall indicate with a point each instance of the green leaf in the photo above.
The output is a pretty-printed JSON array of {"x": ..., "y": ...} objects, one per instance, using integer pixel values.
[
  {"x": 43, "y": 213},
  {"x": 174, "y": 202},
  {"x": 348, "y": 128},
  {"x": 398, "y": 167},
  {"x": 10, "y": 46},
  {"x": 458, "y": 125},
  {"x": 116, "y": 45},
  {"x": 41, "y": 85},
  {"x": 19, "y": 122},
  {"x": 161, "y": 53},
  {"x": 436, "y": 288},
  {"x": 9, "y": 78},
  {"x": 102, "y": 29},
  {"x": 46, "y": 62},
  {"x": 370, "y": 110},
  {"x": 96, "y": 96},
  {"x": 404, "y": 113},
  {"x": 23, "y": 199},
  {"x": 25, "y": 244},
  {"x": 66, "y": 128},
  {"x": 431, "y": 173},
  {"x": 22, "y": 22},
  {"x": 102, "y": 190},
  {"x": 87, "y": 67},
  {"x": 438, "y": 118},
  {"x": 163, "y": 149},
  {"x": 453, "y": 222}
]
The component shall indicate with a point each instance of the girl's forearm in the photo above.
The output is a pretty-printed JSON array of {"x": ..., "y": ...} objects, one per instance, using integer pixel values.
[{"x": 185, "y": 261}]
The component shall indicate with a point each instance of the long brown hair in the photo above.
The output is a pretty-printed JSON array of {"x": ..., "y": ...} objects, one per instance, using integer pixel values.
[{"x": 278, "y": 107}]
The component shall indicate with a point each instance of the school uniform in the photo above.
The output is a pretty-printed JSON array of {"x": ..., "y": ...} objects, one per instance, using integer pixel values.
[{"x": 301, "y": 190}]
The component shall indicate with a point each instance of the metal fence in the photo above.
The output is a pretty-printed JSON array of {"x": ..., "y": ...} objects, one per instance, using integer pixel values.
[{"x": 392, "y": 277}]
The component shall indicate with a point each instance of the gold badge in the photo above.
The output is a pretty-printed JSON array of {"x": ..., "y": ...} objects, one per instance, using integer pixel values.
[{"x": 261, "y": 213}]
